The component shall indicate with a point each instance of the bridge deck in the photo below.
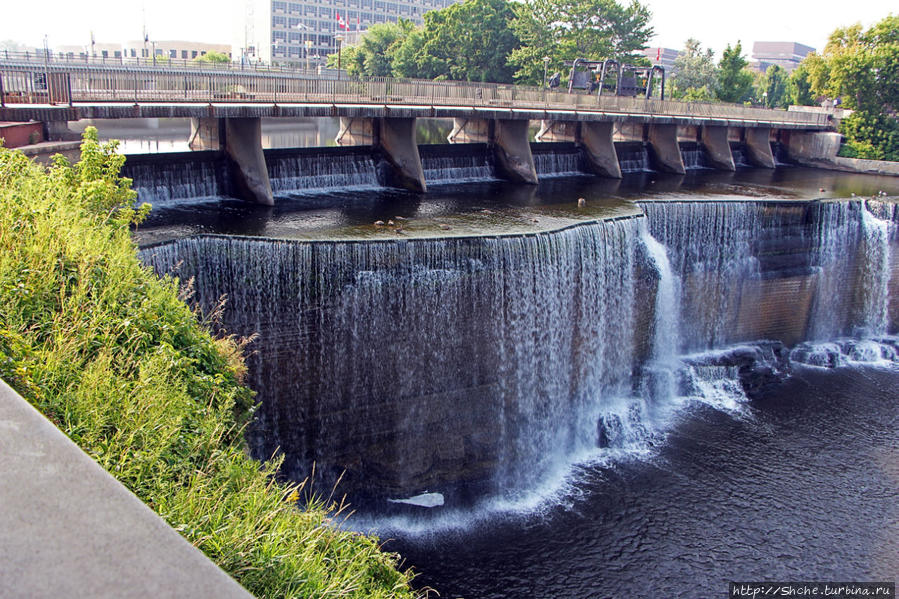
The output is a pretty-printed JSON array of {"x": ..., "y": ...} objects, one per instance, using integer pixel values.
[{"x": 38, "y": 91}]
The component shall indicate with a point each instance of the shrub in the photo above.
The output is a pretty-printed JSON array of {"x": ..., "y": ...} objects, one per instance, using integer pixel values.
[{"x": 113, "y": 356}]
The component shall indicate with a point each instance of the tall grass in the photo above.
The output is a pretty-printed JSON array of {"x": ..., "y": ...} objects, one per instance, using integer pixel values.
[{"x": 118, "y": 361}]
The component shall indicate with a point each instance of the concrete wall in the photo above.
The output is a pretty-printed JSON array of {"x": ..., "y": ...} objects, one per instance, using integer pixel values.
[
  {"x": 15, "y": 135},
  {"x": 71, "y": 530}
]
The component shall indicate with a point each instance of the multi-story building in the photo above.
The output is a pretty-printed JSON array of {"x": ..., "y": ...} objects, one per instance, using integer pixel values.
[
  {"x": 91, "y": 50},
  {"x": 173, "y": 49},
  {"x": 663, "y": 57},
  {"x": 785, "y": 54},
  {"x": 285, "y": 32}
]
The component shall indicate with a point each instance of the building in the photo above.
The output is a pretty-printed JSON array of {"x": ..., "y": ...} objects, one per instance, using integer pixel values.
[
  {"x": 89, "y": 50},
  {"x": 663, "y": 57},
  {"x": 172, "y": 49},
  {"x": 785, "y": 54},
  {"x": 284, "y": 32}
]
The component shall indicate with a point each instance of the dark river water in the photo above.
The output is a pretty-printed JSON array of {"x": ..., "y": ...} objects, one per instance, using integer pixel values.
[{"x": 802, "y": 485}]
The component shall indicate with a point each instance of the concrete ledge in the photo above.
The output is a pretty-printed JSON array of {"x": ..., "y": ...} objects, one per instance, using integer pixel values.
[
  {"x": 71, "y": 530},
  {"x": 856, "y": 165}
]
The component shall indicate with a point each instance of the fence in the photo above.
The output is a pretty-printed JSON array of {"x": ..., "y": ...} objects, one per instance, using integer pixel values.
[{"x": 36, "y": 82}]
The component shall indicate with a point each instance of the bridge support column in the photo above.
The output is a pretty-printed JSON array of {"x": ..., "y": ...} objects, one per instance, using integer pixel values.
[
  {"x": 393, "y": 142},
  {"x": 512, "y": 151},
  {"x": 599, "y": 149},
  {"x": 663, "y": 139},
  {"x": 758, "y": 146},
  {"x": 399, "y": 154},
  {"x": 717, "y": 148},
  {"x": 508, "y": 140},
  {"x": 206, "y": 134},
  {"x": 243, "y": 146}
]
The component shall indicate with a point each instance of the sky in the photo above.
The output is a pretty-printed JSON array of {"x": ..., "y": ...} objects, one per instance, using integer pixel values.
[{"x": 715, "y": 23}]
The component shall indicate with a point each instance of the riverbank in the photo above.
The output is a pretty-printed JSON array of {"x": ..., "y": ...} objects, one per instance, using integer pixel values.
[{"x": 118, "y": 361}]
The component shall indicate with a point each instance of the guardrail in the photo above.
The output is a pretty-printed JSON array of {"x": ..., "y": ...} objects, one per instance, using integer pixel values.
[{"x": 37, "y": 82}]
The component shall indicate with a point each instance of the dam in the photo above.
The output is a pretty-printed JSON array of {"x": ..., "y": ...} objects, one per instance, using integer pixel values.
[{"x": 492, "y": 366}]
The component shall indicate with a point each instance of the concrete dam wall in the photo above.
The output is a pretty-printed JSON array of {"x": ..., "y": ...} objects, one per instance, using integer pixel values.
[{"x": 484, "y": 366}]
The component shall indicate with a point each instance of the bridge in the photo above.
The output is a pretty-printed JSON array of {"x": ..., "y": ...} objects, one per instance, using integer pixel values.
[{"x": 226, "y": 107}]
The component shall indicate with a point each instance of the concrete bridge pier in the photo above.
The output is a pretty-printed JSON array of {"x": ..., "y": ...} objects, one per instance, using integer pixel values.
[
  {"x": 717, "y": 147},
  {"x": 810, "y": 146},
  {"x": 663, "y": 139},
  {"x": 241, "y": 140},
  {"x": 393, "y": 141},
  {"x": 758, "y": 146},
  {"x": 594, "y": 138},
  {"x": 599, "y": 149},
  {"x": 509, "y": 142}
]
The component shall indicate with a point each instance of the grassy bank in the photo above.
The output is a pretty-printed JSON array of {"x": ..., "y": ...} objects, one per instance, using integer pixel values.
[{"x": 118, "y": 361}]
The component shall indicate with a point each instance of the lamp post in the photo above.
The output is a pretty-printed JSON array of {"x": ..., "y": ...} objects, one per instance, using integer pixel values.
[
  {"x": 339, "y": 38},
  {"x": 545, "y": 66},
  {"x": 304, "y": 28},
  {"x": 308, "y": 44}
]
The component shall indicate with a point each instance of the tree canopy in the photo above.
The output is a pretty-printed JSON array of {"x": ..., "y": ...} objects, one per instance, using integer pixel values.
[
  {"x": 734, "y": 80},
  {"x": 568, "y": 29},
  {"x": 212, "y": 57},
  {"x": 775, "y": 90},
  {"x": 861, "y": 67},
  {"x": 694, "y": 75},
  {"x": 467, "y": 41},
  {"x": 374, "y": 56}
]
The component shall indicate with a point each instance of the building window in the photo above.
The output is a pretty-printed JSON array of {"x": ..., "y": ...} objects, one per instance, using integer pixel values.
[
  {"x": 184, "y": 54},
  {"x": 193, "y": 54},
  {"x": 105, "y": 53},
  {"x": 173, "y": 54},
  {"x": 117, "y": 54}
]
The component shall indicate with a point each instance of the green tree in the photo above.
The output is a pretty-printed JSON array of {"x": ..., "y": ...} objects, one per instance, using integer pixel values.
[
  {"x": 694, "y": 74},
  {"x": 734, "y": 80},
  {"x": 467, "y": 41},
  {"x": 374, "y": 55},
  {"x": 799, "y": 89},
  {"x": 861, "y": 67},
  {"x": 568, "y": 29},
  {"x": 215, "y": 57},
  {"x": 775, "y": 87}
]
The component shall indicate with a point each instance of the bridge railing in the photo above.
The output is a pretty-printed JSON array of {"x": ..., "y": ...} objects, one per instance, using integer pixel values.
[{"x": 45, "y": 83}]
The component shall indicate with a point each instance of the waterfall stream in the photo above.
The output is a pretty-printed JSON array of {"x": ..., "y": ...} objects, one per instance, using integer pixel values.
[{"x": 486, "y": 366}]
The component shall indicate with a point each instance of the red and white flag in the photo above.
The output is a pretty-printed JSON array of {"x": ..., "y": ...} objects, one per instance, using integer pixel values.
[{"x": 341, "y": 23}]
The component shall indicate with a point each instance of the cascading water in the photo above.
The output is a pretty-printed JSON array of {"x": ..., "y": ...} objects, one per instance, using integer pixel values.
[
  {"x": 557, "y": 160},
  {"x": 190, "y": 176},
  {"x": 456, "y": 163},
  {"x": 633, "y": 157},
  {"x": 874, "y": 279},
  {"x": 738, "y": 150},
  {"x": 486, "y": 366},
  {"x": 694, "y": 156},
  {"x": 316, "y": 169}
]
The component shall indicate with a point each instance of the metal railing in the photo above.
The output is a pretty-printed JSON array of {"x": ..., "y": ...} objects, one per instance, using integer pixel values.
[{"x": 54, "y": 83}]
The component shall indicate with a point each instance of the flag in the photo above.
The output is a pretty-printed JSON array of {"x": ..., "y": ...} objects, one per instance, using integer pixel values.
[
  {"x": 658, "y": 54},
  {"x": 341, "y": 22}
]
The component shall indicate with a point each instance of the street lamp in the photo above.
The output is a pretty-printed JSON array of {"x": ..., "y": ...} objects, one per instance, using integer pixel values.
[
  {"x": 339, "y": 38},
  {"x": 308, "y": 44},
  {"x": 546, "y": 60},
  {"x": 305, "y": 46}
]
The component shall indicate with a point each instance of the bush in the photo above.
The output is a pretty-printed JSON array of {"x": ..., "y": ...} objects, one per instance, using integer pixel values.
[
  {"x": 116, "y": 359},
  {"x": 871, "y": 136}
]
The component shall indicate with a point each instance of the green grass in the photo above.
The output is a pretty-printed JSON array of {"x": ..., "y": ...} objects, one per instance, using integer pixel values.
[{"x": 118, "y": 361}]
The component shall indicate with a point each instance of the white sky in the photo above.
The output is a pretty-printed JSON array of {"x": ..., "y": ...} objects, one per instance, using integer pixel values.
[{"x": 714, "y": 22}]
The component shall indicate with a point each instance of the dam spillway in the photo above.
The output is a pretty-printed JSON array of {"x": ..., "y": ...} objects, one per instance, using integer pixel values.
[{"x": 483, "y": 366}]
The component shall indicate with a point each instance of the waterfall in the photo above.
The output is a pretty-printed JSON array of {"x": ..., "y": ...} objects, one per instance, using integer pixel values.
[
  {"x": 633, "y": 157},
  {"x": 694, "y": 155},
  {"x": 314, "y": 169},
  {"x": 455, "y": 163},
  {"x": 874, "y": 279},
  {"x": 486, "y": 366},
  {"x": 556, "y": 160},
  {"x": 659, "y": 375},
  {"x": 187, "y": 176},
  {"x": 738, "y": 150},
  {"x": 494, "y": 357}
]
